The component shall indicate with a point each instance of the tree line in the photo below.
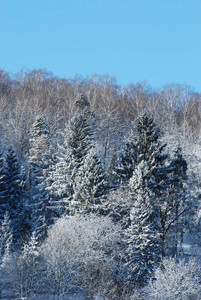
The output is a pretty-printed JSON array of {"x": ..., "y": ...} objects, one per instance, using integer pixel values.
[{"x": 29, "y": 93}]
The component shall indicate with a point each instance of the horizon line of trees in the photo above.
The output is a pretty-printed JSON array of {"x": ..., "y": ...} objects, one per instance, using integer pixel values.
[{"x": 27, "y": 94}]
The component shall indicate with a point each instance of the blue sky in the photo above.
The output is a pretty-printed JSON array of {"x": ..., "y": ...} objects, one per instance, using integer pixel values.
[{"x": 158, "y": 41}]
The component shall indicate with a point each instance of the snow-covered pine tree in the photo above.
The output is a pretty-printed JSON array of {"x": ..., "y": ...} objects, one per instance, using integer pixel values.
[
  {"x": 177, "y": 194},
  {"x": 79, "y": 133},
  {"x": 145, "y": 145},
  {"x": 122, "y": 168},
  {"x": 3, "y": 190},
  {"x": 110, "y": 169},
  {"x": 168, "y": 175},
  {"x": 179, "y": 166},
  {"x": 143, "y": 235},
  {"x": 77, "y": 143},
  {"x": 150, "y": 149},
  {"x": 90, "y": 185},
  {"x": 39, "y": 165},
  {"x": 59, "y": 183},
  {"x": 15, "y": 197}
]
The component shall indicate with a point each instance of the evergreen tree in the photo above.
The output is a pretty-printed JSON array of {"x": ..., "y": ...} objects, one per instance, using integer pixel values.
[
  {"x": 146, "y": 146},
  {"x": 179, "y": 168},
  {"x": 77, "y": 143},
  {"x": 3, "y": 190},
  {"x": 59, "y": 182},
  {"x": 168, "y": 175},
  {"x": 15, "y": 198},
  {"x": 177, "y": 195},
  {"x": 38, "y": 129},
  {"x": 150, "y": 149},
  {"x": 122, "y": 168},
  {"x": 79, "y": 133},
  {"x": 110, "y": 169},
  {"x": 39, "y": 144},
  {"x": 39, "y": 162},
  {"x": 90, "y": 185},
  {"x": 143, "y": 242}
]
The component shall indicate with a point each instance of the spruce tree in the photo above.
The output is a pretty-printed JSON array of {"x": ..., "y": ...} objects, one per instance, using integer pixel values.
[
  {"x": 144, "y": 145},
  {"x": 39, "y": 165},
  {"x": 3, "y": 190},
  {"x": 147, "y": 147},
  {"x": 59, "y": 183},
  {"x": 142, "y": 236},
  {"x": 77, "y": 143},
  {"x": 79, "y": 133},
  {"x": 177, "y": 194},
  {"x": 15, "y": 197},
  {"x": 90, "y": 185},
  {"x": 110, "y": 169},
  {"x": 122, "y": 168},
  {"x": 168, "y": 175}
]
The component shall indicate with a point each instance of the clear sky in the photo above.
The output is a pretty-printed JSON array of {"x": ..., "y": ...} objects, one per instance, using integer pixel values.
[{"x": 158, "y": 41}]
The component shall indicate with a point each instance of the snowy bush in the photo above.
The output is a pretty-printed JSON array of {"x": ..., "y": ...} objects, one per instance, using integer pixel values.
[
  {"x": 6, "y": 238},
  {"x": 179, "y": 281},
  {"x": 23, "y": 271},
  {"x": 82, "y": 251}
]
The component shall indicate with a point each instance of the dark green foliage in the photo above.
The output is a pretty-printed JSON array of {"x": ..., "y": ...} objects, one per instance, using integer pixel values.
[
  {"x": 151, "y": 150},
  {"x": 3, "y": 189},
  {"x": 18, "y": 213},
  {"x": 145, "y": 146},
  {"x": 177, "y": 200},
  {"x": 82, "y": 104},
  {"x": 122, "y": 169},
  {"x": 179, "y": 168},
  {"x": 13, "y": 181},
  {"x": 111, "y": 167},
  {"x": 38, "y": 128},
  {"x": 79, "y": 140}
]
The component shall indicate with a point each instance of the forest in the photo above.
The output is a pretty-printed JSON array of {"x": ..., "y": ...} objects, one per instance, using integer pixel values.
[{"x": 100, "y": 193}]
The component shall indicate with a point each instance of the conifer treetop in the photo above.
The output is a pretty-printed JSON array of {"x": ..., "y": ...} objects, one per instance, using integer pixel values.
[
  {"x": 39, "y": 128},
  {"x": 82, "y": 103}
]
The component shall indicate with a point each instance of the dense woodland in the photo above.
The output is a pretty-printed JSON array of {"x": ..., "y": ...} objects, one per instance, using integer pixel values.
[{"x": 100, "y": 192}]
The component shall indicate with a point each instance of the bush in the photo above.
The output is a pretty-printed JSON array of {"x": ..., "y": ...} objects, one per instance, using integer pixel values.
[
  {"x": 179, "y": 281},
  {"x": 83, "y": 251}
]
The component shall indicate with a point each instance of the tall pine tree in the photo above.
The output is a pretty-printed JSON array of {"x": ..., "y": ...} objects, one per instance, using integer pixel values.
[
  {"x": 90, "y": 185},
  {"x": 142, "y": 236},
  {"x": 3, "y": 189},
  {"x": 39, "y": 167},
  {"x": 144, "y": 145},
  {"x": 123, "y": 164},
  {"x": 178, "y": 199},
  {"x": 77, "y": 143},
  {"x": 17, "y": 210}
]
